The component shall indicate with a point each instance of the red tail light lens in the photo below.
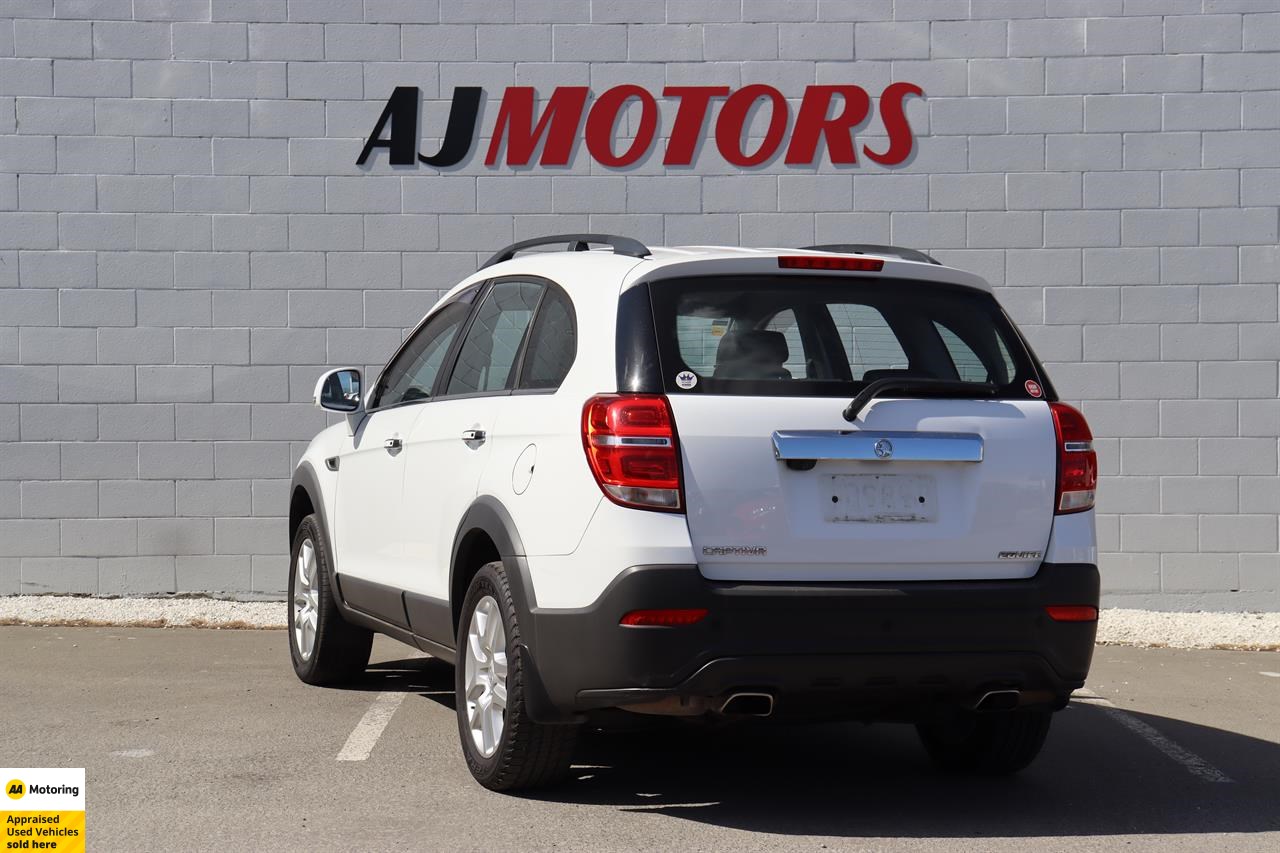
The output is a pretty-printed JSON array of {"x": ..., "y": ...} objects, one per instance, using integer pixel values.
[
  {"x": 1072, "y": 613},
  {"x": 669, "y": 618},
  {"x": 631, "y": 447},
  {"x": 819, "y": 262},
  {"x": 1077, "y": 461}
]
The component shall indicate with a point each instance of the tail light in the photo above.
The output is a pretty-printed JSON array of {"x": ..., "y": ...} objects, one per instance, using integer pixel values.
[
  {"x": 1077, "y": 461},
  {"x": 631, "y": 447}
]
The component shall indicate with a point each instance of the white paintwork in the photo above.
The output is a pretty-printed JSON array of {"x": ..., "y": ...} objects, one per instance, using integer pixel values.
[
  {"x": 442, "y": 472},
  {"x": 740, "y": 495},
  {"x": 368, "y": 538},
  {"x": 1074, "y": 539},
  {"x": 395, "y": 516}
]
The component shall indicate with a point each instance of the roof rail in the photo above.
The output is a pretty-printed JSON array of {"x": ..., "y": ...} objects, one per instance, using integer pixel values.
[
  {"x": 575, "y": 243},
  {"x": 875, "y": 249}
]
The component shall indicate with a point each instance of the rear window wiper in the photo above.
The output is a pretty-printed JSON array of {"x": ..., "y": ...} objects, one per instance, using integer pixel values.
[{"x": 918, "y": 387}]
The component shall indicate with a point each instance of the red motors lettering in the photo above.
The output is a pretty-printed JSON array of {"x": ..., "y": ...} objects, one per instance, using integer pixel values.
[{"x": 827, "y": 115}]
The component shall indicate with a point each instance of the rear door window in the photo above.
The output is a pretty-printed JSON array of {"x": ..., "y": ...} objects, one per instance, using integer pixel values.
[
  {"x": 490, "y": 349},
  {"x": 817, "y": 336}
]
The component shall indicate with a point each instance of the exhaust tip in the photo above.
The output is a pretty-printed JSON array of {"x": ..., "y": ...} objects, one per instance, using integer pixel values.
[
  {"x": 999, "y": 700},
  {"x": 748, "y": 705}
]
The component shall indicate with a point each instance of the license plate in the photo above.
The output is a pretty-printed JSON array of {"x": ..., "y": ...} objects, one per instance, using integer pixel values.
[{"x": 882, "y": 498}]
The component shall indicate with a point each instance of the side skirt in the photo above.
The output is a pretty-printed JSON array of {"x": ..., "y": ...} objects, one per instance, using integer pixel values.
[{"x": 406, "y": 617}]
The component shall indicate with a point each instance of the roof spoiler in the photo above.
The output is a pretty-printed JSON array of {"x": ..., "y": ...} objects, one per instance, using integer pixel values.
[{"x": 875, "y": 249}]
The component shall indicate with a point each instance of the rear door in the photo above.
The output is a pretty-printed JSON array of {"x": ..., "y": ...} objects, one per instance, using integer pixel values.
[
  {"x": 453, "y": 440},
  {"x": 779, "y": 486}
]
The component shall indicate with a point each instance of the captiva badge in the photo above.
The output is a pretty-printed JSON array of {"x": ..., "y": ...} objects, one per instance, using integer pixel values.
[{"x": 686, "y": 379}]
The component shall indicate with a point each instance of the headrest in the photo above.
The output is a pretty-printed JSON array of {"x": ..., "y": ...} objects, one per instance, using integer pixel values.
[{"x": 754, "y": 345}]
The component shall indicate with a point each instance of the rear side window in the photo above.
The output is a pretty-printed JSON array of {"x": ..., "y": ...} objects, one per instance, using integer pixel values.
[
  {"x": 489, "y": 351},
  {"x": 812, "y": 336}
]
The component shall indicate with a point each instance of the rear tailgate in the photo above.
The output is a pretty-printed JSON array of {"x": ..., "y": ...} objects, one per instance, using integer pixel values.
[
  {"x": 964, "y": 488},
  {"x": 780, "y": 486}
]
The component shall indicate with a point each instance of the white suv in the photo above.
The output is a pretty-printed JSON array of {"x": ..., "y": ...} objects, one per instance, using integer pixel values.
[{"x": 708, "y": 482}]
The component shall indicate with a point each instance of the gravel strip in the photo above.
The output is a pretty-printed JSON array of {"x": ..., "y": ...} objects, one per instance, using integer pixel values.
[
  {"x": 141, "y": 612},
  {"x": 1148, "y": 628},
  {"x": 1157, "y": 629}
]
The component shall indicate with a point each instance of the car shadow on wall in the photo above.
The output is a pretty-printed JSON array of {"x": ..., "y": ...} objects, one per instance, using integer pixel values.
[{"x": 1094, "y": 777}]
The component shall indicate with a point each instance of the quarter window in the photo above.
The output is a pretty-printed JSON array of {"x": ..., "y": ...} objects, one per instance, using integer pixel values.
[{"x": 553, "y": 343}]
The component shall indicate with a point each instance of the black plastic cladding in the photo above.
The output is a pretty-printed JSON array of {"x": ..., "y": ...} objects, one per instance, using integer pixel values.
[{"x": 574, "y": 243}]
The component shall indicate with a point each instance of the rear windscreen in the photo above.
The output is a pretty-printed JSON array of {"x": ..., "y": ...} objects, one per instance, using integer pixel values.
[{"x": 811, "y": 336}]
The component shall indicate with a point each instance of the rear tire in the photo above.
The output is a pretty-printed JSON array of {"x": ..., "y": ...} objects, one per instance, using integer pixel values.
[
  {"x": 992, "y": 743},
  {"x": 325, "y": 648},
  {"x": 507, "y": 751}
]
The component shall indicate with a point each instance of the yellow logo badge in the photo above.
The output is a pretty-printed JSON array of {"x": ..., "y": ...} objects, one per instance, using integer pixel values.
[{"x": 15, "y": 789}]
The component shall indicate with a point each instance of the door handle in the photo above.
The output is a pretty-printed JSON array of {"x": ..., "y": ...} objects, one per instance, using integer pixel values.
[
  {"x": 473, "y": 435},
  {"x": 393, "y": 443}
]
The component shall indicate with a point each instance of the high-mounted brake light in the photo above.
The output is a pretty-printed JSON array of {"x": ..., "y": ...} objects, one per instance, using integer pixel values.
[
  {"x": 1072, "y": 613},
  {"x": 1077, "y": 461},
  {"x": 631, "y": 447},
  {"x": 822, "y": 262},
  {"x": 666, "y": 618}
]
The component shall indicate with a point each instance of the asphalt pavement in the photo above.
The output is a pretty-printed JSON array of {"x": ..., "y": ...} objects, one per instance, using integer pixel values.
[{"x": 204, "y": 740}]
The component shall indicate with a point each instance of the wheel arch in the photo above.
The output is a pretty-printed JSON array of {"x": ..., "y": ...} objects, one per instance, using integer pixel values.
[
  {"x": 306, "y": 498},
  {"x": 485, "y": 534}
]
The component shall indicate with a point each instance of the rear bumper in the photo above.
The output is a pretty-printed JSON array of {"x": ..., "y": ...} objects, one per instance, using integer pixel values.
[{"x": 884, "y": 650}]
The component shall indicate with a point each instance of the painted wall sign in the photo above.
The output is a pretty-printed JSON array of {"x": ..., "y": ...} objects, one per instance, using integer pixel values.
[{"x": 830, "y": 114}]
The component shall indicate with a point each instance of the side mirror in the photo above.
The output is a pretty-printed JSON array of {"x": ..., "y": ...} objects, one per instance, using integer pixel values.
[{"x": 340, "y": 391}]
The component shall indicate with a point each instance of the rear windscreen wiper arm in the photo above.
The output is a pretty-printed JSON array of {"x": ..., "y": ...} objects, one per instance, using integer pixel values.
[{"x": 923, "y": 387}]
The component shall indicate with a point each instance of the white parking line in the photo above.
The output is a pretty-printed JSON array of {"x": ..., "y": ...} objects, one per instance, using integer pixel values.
[
  {"x": 1194, "y": 764},
  {"x": 366, "y": 733},
  {"x": 1270, "y": 674}
]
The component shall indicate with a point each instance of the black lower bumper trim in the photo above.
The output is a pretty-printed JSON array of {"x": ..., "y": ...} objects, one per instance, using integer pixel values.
[{"x": 885, "y": 648}]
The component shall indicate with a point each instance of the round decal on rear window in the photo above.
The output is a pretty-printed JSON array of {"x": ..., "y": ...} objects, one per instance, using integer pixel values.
[
  {"x": 686, "y": 379},
  {"x": 1033, "y": 388}
]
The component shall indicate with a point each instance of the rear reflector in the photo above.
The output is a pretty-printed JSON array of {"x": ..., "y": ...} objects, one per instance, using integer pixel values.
[
  {"x": 821, "y": 262},
  {"x": 1072, "y": 613},
  {"x": 1077, "y": 461},
  {"x": 630, "y": 441},
  {"x": 668, "y": 618}
]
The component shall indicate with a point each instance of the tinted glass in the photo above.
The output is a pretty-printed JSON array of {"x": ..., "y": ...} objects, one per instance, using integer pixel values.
[
  {"x": 830, "y": 336},
  {"x": 413, "y": 373},
  {"x": 868, "y": 342},
  {"x": 996, "y": 366},
  {"x": 553, "y": 343},
  {"x": 492, "y": 344},
  {"x": 797, "y": 363}
]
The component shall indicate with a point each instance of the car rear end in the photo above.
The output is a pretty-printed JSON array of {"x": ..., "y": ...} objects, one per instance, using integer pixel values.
[{"x": 931, "y": 547}]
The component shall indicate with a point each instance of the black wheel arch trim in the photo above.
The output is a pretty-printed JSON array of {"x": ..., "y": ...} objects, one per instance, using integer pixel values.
[{"x": 487, "y": 515}]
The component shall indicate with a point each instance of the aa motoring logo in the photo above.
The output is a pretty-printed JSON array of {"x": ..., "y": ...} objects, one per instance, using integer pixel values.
[
  {"x": 16, "y": 789},
  {"x": 831, "y": 115}
]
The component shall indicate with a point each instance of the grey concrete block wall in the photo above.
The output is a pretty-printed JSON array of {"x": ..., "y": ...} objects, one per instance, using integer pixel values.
[{"x": 186, "y": 240}]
